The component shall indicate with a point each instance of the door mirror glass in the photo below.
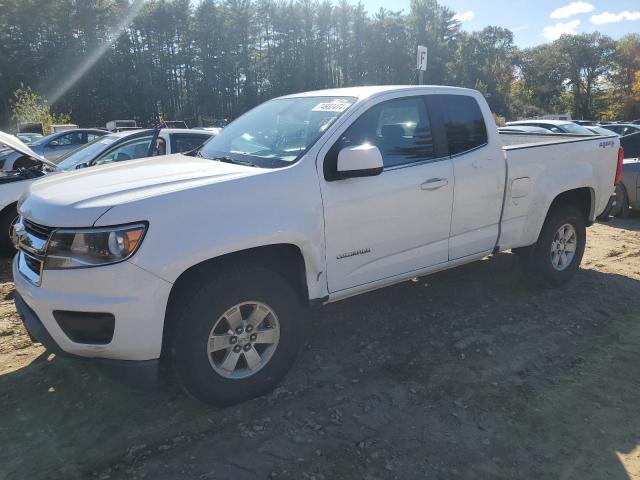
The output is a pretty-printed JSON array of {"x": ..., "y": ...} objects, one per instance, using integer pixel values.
[{"x": 359, "y": 161}]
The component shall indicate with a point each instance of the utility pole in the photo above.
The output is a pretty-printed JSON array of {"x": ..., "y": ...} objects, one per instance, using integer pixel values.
[{"x": 421, "y": 62}]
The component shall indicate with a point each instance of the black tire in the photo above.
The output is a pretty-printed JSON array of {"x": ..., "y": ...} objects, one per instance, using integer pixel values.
[
  {"x": 622, "y": 202},
  {"x": 537, "y": 258},
  {"x": 6, "y": 219},
  {"x": 198, "y": 309}
]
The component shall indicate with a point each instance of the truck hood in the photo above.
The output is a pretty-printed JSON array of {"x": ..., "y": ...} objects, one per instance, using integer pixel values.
[
  {"x": 79, "y": 198},
  {"x": 15, "y": 144}
]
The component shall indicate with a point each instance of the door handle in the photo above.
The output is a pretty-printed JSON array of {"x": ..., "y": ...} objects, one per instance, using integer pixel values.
[{"x": 434, "y": 183}]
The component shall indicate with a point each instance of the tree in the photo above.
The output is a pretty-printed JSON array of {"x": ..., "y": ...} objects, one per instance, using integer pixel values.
[
  {"x": 542, "y": 76},
  {"x": 28, "y": 107},
  {"x": 584, "y": 59},
  {"x": 486, "y": 60},
  {"x": 434, "y": 26},
  {"x": 626, "y": 65},
  {"x": 206, "y": 59}
]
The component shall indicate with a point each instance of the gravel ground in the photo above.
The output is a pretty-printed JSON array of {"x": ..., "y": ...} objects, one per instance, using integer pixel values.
[{"x": 472, "y": 373}]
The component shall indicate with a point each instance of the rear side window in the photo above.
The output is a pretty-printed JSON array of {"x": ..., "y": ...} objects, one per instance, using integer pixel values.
[
  {"x": 464, "y": 123},
  {"x": 182, "y": 142}
]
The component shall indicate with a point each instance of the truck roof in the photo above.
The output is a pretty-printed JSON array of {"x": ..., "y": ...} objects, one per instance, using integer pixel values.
[{"x": 368, "y": 91}]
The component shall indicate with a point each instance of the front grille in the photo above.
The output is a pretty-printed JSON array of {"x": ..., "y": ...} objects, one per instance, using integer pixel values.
[
  {"x": 32, "y": 239},
  {"x": 33, "y": 263},
  {"x": 36, "y": 229}
]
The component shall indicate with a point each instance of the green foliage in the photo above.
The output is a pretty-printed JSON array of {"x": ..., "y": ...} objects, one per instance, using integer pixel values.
[
  {"x": 197, "y": 61},
  {"x": 27, "y": 106}
]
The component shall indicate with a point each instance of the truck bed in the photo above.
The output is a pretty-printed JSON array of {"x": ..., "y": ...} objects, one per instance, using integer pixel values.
[
  {"x": 523, "y": 140},
  {"x": 541, "y": 166}
]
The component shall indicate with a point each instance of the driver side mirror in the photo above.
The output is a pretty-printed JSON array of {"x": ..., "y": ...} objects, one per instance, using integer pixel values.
[
  {"x": 82, "y": 165},
  {"x": 359, "y": 161},
  {"x": 53, "y": 143}
]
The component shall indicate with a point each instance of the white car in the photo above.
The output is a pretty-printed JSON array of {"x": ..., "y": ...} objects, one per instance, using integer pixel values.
[
  {"x": 114, "y": 147},
  {"x": 554, "y": 126},
  {"x": 304, "y": 200}
]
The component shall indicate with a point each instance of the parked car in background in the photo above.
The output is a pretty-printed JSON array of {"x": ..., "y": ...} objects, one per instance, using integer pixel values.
[
  {"x": 63, "y": 127},
  {"x": 14, "y": 183},
  {"x": 175, "y": 124},
  {"x": 523, "y": 129},
  {"x": 628, "y": 191},
  {"x": 213, "y": 130},
  {"x": 622, "y": 129},
  {"x": 599, "y": 130},
  {"x": 554, "y": 126},
  {"x": 585, "y": 123},
  {"x": 52, "y": 146},
  {"x": 132, "y": 144},
  {"x": 207, "y": 259},
  {"x": 121, "y": 125},
  {"x": 115, "y": 147},
  {"x": 29, "y": 138}
]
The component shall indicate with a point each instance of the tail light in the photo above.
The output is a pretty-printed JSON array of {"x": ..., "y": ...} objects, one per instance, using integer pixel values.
[{"x": 620, "y": 165}]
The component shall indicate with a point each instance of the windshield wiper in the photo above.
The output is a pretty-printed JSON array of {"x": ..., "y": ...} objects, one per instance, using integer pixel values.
[{"x": 227, "y": 159}]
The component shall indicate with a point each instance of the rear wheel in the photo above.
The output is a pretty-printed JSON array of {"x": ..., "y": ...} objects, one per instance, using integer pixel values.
[
  {"x": 237, "y": 336},
  {"x": 557, "y": 254},
  {"x": 7, "y": 218}
]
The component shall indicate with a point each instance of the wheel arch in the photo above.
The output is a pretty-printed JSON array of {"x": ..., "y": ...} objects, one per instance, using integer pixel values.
[
  {"x": 582, "y": 198},
  {"x": 284, "y": 258}
]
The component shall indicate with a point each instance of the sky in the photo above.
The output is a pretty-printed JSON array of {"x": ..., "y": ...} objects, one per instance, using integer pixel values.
[{"x": 538, "y": 21}]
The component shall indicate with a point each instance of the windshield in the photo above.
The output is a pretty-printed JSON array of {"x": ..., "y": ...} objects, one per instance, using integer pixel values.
[
  {"x": 577, "y": 129},
  {"x": 276, "y": 133},
  {"x": 86, "y": 152}
]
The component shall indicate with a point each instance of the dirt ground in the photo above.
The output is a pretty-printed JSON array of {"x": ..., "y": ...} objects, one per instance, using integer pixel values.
[{"x": 473, "y": 373}]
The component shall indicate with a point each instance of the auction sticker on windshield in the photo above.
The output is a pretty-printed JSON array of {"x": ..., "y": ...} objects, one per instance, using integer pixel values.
[{"x": 331, "y": 107}]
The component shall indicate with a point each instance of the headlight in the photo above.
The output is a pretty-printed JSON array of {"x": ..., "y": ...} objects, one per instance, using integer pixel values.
[{"x": 92, "y": 247}]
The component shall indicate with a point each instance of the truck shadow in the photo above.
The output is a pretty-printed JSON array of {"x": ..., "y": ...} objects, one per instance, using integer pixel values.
[
  {"x": 631, "y": 223},
  {"x": 474, "y": 372}
]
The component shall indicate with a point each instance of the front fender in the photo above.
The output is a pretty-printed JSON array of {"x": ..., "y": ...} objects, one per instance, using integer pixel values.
[{"x": 191, "y": 226}]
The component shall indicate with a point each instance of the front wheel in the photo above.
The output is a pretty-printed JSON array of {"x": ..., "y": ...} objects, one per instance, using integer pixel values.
[
  {"x": 557, "y": 254},
  {"x": 237, "y": 336}
]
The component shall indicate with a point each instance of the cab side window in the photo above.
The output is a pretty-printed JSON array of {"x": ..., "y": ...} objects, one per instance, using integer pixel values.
[{"x": 401, "y": 129}]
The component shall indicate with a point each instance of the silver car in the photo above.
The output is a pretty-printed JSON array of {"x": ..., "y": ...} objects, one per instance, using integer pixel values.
[
  {"x": 52, "y": 147},
  {"x": 628, "y": 192}
]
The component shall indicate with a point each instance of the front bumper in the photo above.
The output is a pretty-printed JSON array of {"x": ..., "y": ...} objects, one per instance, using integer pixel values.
[
  {"x": 136, "y": 298},
  {"x": 137, "y": 373}
]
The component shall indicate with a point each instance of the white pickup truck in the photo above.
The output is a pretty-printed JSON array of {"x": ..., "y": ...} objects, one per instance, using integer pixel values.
[{"x": 207, "y": 259}]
